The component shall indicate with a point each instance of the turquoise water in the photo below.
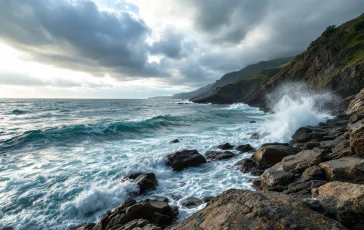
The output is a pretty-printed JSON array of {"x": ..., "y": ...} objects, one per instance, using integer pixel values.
[{"x": 62, "y": 160}]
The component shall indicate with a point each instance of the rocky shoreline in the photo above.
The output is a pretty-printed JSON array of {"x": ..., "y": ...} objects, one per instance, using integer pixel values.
[{"x": 314, "y": 182}]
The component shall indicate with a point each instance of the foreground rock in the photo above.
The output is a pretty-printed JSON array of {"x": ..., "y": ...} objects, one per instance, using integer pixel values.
[
  {"x": 217, "y": 155},
  {"x": 145, "y": 181},
  {"x": 344, "y": 201},
  {"x": 184, "y": 159},
  {"x": 270, "y": 154},
  {"x": 147, "y": 214},
  {"x": 241, "y": 209},
  {"x": 350, "y": 169}
]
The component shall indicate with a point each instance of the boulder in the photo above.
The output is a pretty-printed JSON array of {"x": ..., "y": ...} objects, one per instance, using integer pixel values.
[
  {"x": 350, "y": 169},
  {"x": 225, "y": 146},
  {"x": 242, "y": 209},
  {"x": 191, "y": 202},
  {"x": 244, "y": 148},
  {"x": 269, "y": 155},
  {"x": 357, "y": 137},
  {"x": 306, "y": 134},
  {"x": 357, "y": 104},
  {"x": 344, "y": 201},
  {"x": 145, "y": 181},
  {"x": 184, "y": 159},
  {"x": 174, "y": 141},
  {"x": 314, "y": 172},
  {"x": 340, "y": 150},
  {"x": 275, "y": 180},
  {"x": 249, "y": 166},
  {"x": 217, "y": 155},
  {"x": 330, "y": 144},
  {"x": 132, "y": 214},
  {"x": 301, "y": 161},
  {"x": 311, "y": 145}
]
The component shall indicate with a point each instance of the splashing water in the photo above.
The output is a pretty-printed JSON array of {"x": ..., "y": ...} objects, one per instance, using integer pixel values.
[{"x": 295, "y": 105}]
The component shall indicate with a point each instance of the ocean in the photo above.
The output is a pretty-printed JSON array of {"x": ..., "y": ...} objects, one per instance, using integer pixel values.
[{"x": 62, "y": 160}]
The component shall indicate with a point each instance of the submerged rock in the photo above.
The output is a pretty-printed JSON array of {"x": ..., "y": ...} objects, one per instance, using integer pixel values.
[
  {"x": 174, "y": 141},
  {"x": 225, "y": 146},
  {"x": 242, "y": 209},
  {"x": 217, "y": 155},
  {"x": 249, "y": 166},
  {"x": 269, "y": 155},
  {"x": 146, "y": 214},
  {"x": 184, "y": 159},
  {"x": 145, "y": 181},
  {"x": 344, "y": 201}
]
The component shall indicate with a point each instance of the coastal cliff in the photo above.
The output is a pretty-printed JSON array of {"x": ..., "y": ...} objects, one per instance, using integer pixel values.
[{"x": 334, "y": 61}]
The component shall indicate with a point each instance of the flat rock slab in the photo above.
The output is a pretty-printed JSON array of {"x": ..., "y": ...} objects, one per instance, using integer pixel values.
[
  {"x": 242, "y": 209},
  {"x": 349, "y": 169},
  {"x": 345, "y": 201},
  {"x": 184, "y": 159},
  {"x": 301, "y": 161},
  {"x": 218, "y": 155},
  {"x": 269, "y": 155}
]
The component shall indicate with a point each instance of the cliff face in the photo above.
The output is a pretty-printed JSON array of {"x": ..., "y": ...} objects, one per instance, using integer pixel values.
[{"x": 333, "y": 61}]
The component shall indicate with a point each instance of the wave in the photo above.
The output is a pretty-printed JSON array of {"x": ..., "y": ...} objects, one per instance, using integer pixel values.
[
  {"x": 92, "y": 130},
  {"x": 18, "y": 112}
]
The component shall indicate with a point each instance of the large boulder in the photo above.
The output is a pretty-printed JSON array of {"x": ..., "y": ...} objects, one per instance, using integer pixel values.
[
  {"x": 242, "y": 209},
  {"x": 306, "y": 134},
  {"x": 269, "y": 155},
  {"x": 350, "y": 169},
  {"x": 275, "y": 180},
  {"x": 184, "y": 159},
  {"x": 145, "y": 214},
  {"x": 357, "y": 137},
  {"x": 344, "y": 201},
  {"x": 145, "y": 181},
  {"x": 301, "y": 161},
  {"x": 218, "y": 155}
]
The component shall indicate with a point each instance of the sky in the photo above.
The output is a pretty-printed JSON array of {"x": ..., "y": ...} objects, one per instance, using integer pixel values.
[{"x": 143, "y": 48}]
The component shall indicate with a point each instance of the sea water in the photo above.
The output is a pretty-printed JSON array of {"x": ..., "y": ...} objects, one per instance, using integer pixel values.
[{"x": 62, "y": 160}]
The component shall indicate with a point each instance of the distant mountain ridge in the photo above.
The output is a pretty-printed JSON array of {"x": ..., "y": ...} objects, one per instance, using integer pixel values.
[{"x": 189, "y": 95}]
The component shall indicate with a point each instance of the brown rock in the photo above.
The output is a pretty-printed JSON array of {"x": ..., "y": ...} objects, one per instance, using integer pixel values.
[
  {"x": 349, "y": 169},
  {"x": 357, "y": 137},
  {"x": 191, "y": 202},
  {"x": 269, "y": 155},
  {"x": 345, "y": 201},
  {"x": 241, "y": 209},
  {"x": 249, "y": 166},
  {"x": 357, "y": 104},
  {"x": 275, "y": 180}
]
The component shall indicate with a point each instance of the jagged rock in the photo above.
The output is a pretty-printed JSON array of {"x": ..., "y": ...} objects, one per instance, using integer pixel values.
[
  {"x": 225, "y": 146},
  {"x": 174, "y": 141},
  {"x": 185, "y": 158},
  {"x": 249, "y": 166},
  {"x": 145, "y": 181},
  {"x": 191, "y": 202},
  {"x": 340, "y": 150},
  {"x": 357, "y": 104},
  {"x": 305, "y": 134},
  {"x": 275, "y": 180},
  {"x": 217, "y": 155},
  {"x": 304, "y": 187},
  {"x": 331, "y": 143},
  {"x": 344, "y": 201},
  {"x": 241, "y": 209},
  {"x": 357, "y": 137},
  {"x": 349, "y": 169},
  {"x": 244, "y": 148},
  {"x": 88, "y": 226},
  {"x": 269, "y": 155},
  {"x": 132, "y": 213},
  {"x": 301, "y": 161}
]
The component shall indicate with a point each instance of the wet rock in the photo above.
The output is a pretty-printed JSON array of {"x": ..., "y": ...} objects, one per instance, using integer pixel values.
[
  {"x": 251, "y": 122},
  {"x": 275, "y": 180},
  {"x": 177, "y": 197},
  {"x": 269, "y": 155},
  {"x": 301, "y": 161},
  {"x": 241, "y": 209},
  {"x": 184, "y": 159},
  {"x": 244, "y": 148},
  {"x": 344, "y": 201},
  {"x": 350, "y": 169},
  {"x": 255, "y": 136},
  {"x": 132, "y": 214},
  {"x": 145, "y": 181},
  {"x": 225, "y": 146},
  {"x": 305, "y": 134},
  {"x": 217, "y": 155},
  {"x": 191, "y": 202},
  {"x": 174, "y": 141},
  {"x": 249, "y": 166},
  {"x": 162, "y": 198},
  {"x": 357, "y": 137},
  {"x": 86, "y": 226}
]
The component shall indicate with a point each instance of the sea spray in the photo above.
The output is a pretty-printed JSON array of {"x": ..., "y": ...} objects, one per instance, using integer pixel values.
[{"x": 295, "y": 105}]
